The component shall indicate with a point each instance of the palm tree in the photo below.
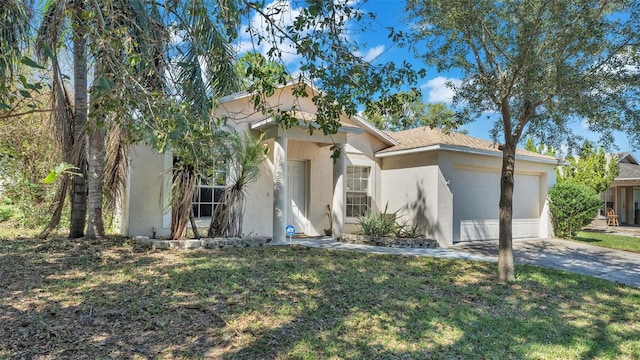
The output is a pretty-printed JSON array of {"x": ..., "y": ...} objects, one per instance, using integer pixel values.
[
  {"x": 108, "y": 25},
  {"x": 204, "y": 71},
  {"x": 15, "y": 17},
  {"x": 129, "y": 38},
  {"x": 73, "y": 120},
  {"x": 244, "y": 160}
]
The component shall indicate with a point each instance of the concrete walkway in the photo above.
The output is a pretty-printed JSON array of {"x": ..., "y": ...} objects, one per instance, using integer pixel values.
[
  {"x": 613, "y": 265},
  {"x": 329, "y": 243}
]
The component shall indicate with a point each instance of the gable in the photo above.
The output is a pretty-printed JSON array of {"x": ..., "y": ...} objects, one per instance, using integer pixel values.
[{"x": 240, "y": 109}]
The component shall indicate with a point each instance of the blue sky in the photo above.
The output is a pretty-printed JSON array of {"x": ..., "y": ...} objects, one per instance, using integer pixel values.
[{"x": 377, "y": 47}]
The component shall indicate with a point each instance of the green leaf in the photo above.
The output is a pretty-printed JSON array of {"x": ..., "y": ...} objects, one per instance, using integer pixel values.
[
  {"x": 49, "y": 53},
  {"x": 106, "y": 83},
  {"x": 51, "y": 177},
  {"x": 62, "y": 168},
  {"x": 25, "y": 60}
]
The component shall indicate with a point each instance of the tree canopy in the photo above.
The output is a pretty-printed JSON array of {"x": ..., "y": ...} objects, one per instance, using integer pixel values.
[
  {"x": 591, "y": 167},
  {"x": 406, "y": 110},
  {"x": 539, "y": 66}
]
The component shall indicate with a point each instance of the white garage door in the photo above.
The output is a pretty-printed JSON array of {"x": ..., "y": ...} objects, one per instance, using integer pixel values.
[{"x": 475, "y": 205}]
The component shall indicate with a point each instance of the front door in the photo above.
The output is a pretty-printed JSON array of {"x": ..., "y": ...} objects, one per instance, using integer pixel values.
[{"x": 297, "y": 195}]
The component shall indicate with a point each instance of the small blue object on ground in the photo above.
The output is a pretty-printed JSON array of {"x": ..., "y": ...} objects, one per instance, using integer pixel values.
[{"x": 290, "y": 230}]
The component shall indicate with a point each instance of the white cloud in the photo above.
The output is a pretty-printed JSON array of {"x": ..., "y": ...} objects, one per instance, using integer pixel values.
[
  {"x": 371, "y": 54},
  {"x": 439, "y": 89}
]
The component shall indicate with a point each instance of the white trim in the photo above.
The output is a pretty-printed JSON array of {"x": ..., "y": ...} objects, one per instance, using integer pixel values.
[
  {"x": 269, "y": 122},
  {"x": 628, "y": 154},
  {"x": 381, "y": 135},
  {"x": 463, "y": 149}
]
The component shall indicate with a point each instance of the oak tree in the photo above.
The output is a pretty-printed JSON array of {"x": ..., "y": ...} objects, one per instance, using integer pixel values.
[{"x": 540, "y": 66}]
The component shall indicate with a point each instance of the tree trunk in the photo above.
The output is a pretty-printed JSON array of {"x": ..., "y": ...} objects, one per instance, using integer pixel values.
[
  {"x": 95, "y": 228},
  {"x": 79, "y": 188},
  {"x": 194, "y": 226},
  {"x": 505, "y": 245},
  {"x": 184, "y": 182}
]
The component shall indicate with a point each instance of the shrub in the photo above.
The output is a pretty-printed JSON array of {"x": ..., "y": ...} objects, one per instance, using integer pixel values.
[
  {"x": 384, "y": 224},
  {"x": 6, "y": 212},
  {"x": 572, "y": 206},
  {"x": 377, "y": 223}
]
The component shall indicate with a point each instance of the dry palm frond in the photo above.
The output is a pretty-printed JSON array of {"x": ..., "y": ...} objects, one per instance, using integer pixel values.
[
  {"x": 116, "y": 166},
  {"x": 62, "y": 125}
]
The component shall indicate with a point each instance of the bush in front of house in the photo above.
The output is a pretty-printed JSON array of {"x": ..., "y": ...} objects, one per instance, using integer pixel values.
[
  {"x": 377, "y": 223},
  {"x": 572, "y": 206},
  {"x": 385, "y": 224}
]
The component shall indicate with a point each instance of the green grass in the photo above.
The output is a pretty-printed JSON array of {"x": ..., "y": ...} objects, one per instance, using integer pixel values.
[
  {"x": 66, "y": 299},
  {"x": 618, "y": 242}
]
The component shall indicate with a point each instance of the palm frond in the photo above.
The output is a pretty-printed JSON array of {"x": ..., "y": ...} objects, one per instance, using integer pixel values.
[
  {"x": 52, "y": 27},
  {"x": 15, "y": 17},
  {"x": 206, "y": 58},
  {"x": 116, "y": 166}
]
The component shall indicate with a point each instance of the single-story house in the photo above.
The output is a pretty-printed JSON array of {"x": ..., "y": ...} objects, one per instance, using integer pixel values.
[
  {"x": 447, "y": 185},
  {"x": 623, "y": 196}
]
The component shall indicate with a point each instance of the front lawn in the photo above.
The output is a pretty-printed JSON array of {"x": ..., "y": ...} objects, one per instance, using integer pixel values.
[
  {"x": 618, "y": 242},
  {"x": 64, "y": 299}
]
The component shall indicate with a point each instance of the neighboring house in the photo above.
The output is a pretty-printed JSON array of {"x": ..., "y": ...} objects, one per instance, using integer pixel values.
[
  {"x": 623, "y": 196},
  {"x": 446, "y": 184}
]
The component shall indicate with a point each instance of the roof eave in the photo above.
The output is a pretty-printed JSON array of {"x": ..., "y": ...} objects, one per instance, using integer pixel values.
[
  {"x": 381, "y": 135},
  {"x": 270, "y": 122},
  {"x": 466, "y": 150}
]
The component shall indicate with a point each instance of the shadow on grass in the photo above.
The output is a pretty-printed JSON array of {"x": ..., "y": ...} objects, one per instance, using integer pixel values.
[
  {"x": 587, "y": 239},
  {"x": 69, "y": 299}
]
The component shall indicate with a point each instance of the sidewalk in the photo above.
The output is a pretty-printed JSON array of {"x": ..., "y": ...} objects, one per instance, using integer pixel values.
[{"x": 330, "y": 243}]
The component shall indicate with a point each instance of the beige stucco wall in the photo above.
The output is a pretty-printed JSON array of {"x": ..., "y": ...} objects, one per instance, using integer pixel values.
[
  {"x": 414, "y": 188},
  {"x": 147, "y": 194},
  {"x": 317, "y": 156},
  {"x": 150, "y": 178},
  {"x": 419, "y": 187},
  {"x": 242, "y": 110},
  {"x": 319, "y": 166},
  {"x": 360, "y": 151},
  {"x": 315, "y": 151}
]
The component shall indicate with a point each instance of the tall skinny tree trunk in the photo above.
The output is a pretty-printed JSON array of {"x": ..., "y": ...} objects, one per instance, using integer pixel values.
[
  {"x": 79, "y": 188},
  {"x": 95, "y": 228},
  {"x": 506, "y": 270}
]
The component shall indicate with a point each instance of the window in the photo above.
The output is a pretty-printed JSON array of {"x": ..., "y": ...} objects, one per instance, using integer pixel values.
[
  {"x": 208, "y": 194},
  {"x": 607, "y": 199},
  {"x": 358, "y": 200}
]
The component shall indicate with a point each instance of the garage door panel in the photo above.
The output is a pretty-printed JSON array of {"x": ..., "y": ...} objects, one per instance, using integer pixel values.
[
  {"x": 471, "y": 230},
  {"x": 476, "y": 195}
]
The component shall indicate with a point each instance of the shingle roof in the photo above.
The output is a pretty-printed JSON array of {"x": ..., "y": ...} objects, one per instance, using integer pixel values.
[
  {"x": 425, "y": 137},
  {"x": 628, "y": 171}
]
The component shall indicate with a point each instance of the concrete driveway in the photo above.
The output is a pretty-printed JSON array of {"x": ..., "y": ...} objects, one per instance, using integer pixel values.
[{"x": 613, "y": 265}]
